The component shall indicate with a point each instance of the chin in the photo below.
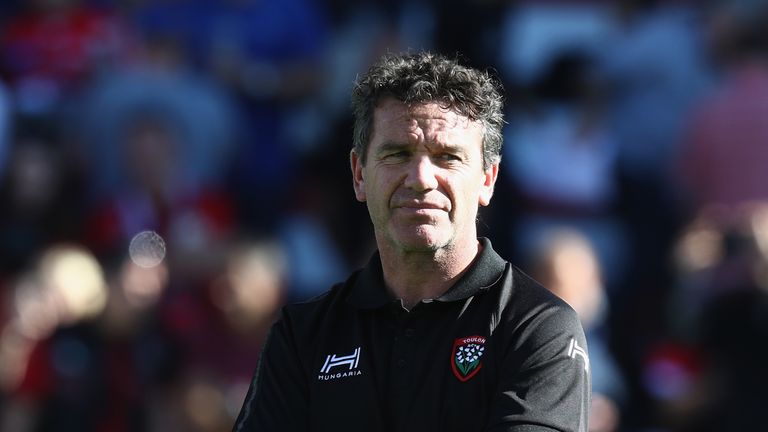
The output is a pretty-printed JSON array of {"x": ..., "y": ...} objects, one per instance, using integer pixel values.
[
  {"x": 422, "y": 241},
  {"x": 414, "y": 247}
]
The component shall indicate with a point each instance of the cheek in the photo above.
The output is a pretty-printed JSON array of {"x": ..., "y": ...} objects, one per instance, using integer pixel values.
[
  {"x": 380, "y": 189},
  {"x": 463, "y": 192},
  {"x": 391, "y": 178},
  {"x": 465, "y": 199}
]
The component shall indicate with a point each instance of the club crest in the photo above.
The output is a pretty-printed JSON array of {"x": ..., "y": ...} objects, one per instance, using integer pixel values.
[{"x": 466, "y": 355}]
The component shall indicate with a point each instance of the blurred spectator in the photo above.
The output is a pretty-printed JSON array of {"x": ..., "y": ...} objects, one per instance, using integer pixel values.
[
  {"x": 655, "y": 65},
  {"x": 655, "y": 69},
  {"x": 721, "y": 254},
  {"x": 560, "y": 151},
  {"x": 222, "y": 328},
  {"x": 161, "y": 84},
  {"x": 50, "y": 361},
  {"x": 724, "y": 154},
  {"x": 39, "y": 194},
  {"x": 561, "y": 157},
  {"x": 564, "y": 261},
  {"x": 308, "y": 237},
  {"x": 52, "y": 47},
  {"x": 535, "y": 33},
  {"x": 717, "y": 253},
  {"x": 195, "y": 220},
  {"x": 267, "y": 54},
  {"x": 723, "y": 272}
]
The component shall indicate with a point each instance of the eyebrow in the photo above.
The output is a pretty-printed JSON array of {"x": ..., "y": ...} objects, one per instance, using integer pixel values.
[{"x": 395, "y": 146}]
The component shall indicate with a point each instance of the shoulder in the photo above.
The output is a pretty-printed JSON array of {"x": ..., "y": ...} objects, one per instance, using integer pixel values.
[
  {"x": 530, "y": 314},
  {"x": 308, "y": 314},
  {"x": 522, "y": 297},
  {"x": 540, "y": 351},
  {"x": 529, "y": 298}
]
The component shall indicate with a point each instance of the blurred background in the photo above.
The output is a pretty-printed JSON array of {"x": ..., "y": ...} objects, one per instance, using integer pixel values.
[{"x": 633, "y": 184}]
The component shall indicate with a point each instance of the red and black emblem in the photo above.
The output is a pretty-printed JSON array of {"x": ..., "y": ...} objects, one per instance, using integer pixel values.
[{"x": 466, "y": 355}]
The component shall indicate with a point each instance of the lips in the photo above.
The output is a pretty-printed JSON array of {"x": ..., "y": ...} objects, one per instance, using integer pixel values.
[
  {"x": 417, "y": 207},
  {"x": 426, "y": 203},
  {"x": 420, "y": 206}
]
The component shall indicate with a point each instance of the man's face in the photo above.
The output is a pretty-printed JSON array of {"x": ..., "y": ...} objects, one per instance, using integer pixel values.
[{"x": 423, "y": 177}]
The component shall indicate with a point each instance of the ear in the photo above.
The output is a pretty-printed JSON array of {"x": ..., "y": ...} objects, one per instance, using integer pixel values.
[
  {"x": 358, "y": 182},
  {"x": 489, "y": 180}
]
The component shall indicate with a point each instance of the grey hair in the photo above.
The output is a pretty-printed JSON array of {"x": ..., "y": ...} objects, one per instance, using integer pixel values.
[{"x": 425, "y": 77}]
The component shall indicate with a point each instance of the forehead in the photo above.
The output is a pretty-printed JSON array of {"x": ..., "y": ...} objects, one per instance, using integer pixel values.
[{"x": 429, "y": 121}]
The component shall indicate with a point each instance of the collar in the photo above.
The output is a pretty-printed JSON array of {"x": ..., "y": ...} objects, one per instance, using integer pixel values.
[{"x": 369, "y": 291}]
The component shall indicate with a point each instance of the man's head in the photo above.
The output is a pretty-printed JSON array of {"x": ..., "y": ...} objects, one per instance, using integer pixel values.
[
  {"x": 424, "y": 77},
  {"x": 426, "y": 154}
]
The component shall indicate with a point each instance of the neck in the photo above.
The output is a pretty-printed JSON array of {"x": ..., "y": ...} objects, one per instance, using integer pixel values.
[{"x": 416, "y": 276}]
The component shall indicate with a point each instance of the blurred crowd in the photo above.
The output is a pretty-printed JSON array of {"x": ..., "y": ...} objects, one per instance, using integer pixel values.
[{"x": 633, "y": 184}]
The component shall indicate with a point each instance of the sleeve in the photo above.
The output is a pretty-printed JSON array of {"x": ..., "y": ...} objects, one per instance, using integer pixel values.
[
  {"x": 544, "y": 383},
  {"x": 277, "y": 399}
]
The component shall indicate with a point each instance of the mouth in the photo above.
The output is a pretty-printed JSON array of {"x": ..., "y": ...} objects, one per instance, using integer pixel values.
[
  {"x": 419, "y": 206},
  {"x": 425, "y": 211}
]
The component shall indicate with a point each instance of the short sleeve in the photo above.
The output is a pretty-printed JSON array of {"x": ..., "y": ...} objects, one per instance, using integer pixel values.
[{"x": 544, "y": 381}]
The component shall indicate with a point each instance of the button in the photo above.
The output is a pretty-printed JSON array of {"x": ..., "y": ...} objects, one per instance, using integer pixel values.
[
  {"x": 401, "y": 363},
  {"x": 409, "y": 333}
]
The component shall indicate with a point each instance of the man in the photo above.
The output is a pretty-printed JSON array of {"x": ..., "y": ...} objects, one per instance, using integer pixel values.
[{"x": 437, "y": 332}]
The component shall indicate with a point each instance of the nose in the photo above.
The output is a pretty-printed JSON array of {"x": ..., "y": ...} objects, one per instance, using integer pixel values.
[{"x": 421, "y": 175}]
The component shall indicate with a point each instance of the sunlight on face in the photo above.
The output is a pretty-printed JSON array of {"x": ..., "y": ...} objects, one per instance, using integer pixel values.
[{"x": 423, "y": 176}]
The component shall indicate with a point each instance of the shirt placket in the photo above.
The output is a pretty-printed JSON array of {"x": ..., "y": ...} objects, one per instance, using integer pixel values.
[{"x": 403, "y": 357}]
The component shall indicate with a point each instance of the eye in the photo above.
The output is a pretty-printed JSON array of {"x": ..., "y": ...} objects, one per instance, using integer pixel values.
[
  {"x": 449, "y": 157},
  {"x": 396, "y": 155}
]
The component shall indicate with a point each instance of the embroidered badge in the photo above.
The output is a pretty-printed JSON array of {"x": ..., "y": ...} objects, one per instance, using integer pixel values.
[{"x": 465, "y": 357}]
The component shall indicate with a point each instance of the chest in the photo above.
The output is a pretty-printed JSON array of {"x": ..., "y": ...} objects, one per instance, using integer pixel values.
[{"x": 434, "y": 368}]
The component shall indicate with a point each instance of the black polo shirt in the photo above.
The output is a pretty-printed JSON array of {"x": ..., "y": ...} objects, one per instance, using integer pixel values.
[{"x": 496, "y": 352}]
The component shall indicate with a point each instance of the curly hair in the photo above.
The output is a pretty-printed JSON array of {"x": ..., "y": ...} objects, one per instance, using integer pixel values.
[{"x": 425, "y": 77}]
